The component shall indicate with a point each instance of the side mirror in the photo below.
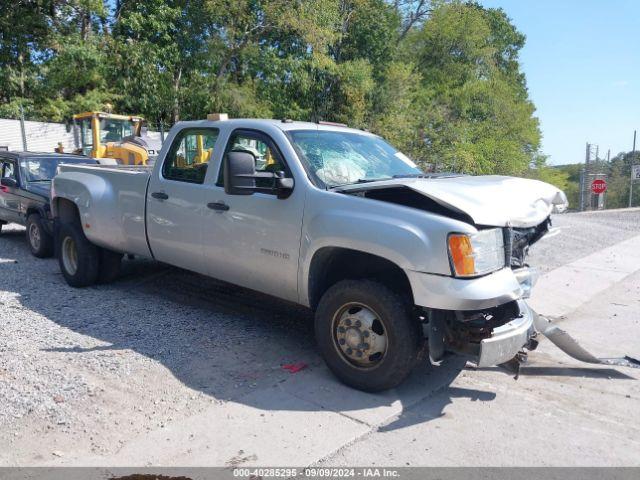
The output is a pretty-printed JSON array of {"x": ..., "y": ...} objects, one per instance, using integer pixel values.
[
  {"x": 240, "y": 177},
  {"x": 9, "y": 182},
  {"x": 239, "y": 172}
]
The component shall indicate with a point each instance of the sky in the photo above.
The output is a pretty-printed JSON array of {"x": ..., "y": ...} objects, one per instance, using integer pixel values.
[{"x": 582, "y": 63}]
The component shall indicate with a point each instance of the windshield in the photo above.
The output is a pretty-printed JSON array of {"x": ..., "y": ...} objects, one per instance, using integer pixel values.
[
  {"x": 44, "y": 169},
  {"x": 111, "y": 130},
  {"x": 338, "y": 158},
  {"x": 114, "y": 130}
]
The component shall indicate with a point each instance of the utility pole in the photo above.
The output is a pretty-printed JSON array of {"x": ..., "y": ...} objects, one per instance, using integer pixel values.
[
  {"x": 585, "y": 194},
  {"x": 583, "y": 175},
  {"x": 22, "y": 130},
  {"x": 633, "y": 155}
]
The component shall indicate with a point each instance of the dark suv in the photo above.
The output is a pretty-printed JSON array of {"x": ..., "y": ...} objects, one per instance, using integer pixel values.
[{"x": 25, "y": 181}]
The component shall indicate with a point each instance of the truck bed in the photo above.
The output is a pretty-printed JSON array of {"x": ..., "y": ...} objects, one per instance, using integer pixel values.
[
  {"x": 117, "y": 168},
  {"x": 111, "y": 199}
]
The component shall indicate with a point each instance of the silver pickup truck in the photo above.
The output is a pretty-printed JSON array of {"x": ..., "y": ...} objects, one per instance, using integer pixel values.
[{"x": 397, "y": 264}]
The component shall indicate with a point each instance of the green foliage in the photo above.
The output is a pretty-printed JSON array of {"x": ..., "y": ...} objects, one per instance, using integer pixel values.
[
  {"x": 440, "y": 79},
  {"x": 478, "y": 118}
]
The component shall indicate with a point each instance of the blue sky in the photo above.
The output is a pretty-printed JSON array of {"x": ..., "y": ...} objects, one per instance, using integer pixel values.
[{"x": 582, "y": 62}]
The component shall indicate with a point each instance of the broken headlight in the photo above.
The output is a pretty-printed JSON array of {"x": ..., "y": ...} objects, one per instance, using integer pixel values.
[{"x": 476, "y": 254}]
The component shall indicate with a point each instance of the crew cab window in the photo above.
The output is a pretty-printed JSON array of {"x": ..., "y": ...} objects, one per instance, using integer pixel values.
[
  {"x": 266, "y": 155},
  {"x": 189, "y": 156}
]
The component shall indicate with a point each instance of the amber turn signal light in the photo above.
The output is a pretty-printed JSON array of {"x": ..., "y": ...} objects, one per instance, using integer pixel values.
[{"x": 462, "y": 255}]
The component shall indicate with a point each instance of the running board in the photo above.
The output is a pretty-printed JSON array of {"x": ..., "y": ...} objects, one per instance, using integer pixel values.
[{"x": 570, "y": 346}]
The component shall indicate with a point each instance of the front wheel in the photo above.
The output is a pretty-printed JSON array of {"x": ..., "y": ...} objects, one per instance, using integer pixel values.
[
  {"x": 40, "y": 241},
  {"x": 367, "y": 335},
  {"x": 79, "y": 259}
]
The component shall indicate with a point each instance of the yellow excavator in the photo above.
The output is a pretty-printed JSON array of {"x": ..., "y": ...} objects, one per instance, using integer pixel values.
[{"x": 107, "y": 135}]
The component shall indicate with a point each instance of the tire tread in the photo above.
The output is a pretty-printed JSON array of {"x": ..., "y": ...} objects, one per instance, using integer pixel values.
[{"x": 406, "y": 336}]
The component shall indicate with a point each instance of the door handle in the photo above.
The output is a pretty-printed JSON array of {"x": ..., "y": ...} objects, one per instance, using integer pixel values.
[
  {"x": 219, "y": 206},
  {"x": 160, "y": 195}
]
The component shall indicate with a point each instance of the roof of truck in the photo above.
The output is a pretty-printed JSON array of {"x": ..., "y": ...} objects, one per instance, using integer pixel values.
[{"x": 284, "y": 124}]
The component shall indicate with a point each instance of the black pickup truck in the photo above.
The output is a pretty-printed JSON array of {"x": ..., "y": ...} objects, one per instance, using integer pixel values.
[{"x": 25, "y": 181}]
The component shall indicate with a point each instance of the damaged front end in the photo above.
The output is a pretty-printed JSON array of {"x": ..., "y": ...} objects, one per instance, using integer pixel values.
[
  {"x": 480, "y": 309},
  {"x": 490, "y": 337},
  {"x": 503, "y": 335},
  {"x": 498, "y": 334}
]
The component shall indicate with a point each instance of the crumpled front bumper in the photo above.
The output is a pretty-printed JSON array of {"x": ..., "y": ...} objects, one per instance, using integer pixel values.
[
  {"x": 508, "y": 339},
  {"x": 481, "y": 294}
]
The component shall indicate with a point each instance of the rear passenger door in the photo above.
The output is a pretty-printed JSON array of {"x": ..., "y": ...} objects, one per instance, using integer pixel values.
[
  {"x": 9, "y": 196},
  {"x": 176, "y": 199}
]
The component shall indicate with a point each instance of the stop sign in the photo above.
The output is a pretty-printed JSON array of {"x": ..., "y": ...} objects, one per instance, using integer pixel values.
[{"x": 598, "y": 186}]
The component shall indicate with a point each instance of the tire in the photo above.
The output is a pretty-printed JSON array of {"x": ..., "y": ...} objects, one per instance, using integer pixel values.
[
  {"x": 39, "y": 240},
  {"x": 79, "y": 259},
  {"x": 365, "y": 300},
  {"x": 109, "y": 267}
]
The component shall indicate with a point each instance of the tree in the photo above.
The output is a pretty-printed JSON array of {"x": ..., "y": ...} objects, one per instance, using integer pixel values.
[
  {"x": 24, "y": 32},
  {"x": 479, "y": 117},
  {"x": 441, "y": 79}
]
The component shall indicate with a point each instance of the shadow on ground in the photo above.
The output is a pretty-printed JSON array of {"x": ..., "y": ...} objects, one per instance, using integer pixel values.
[{"x": 227, "y": 342}]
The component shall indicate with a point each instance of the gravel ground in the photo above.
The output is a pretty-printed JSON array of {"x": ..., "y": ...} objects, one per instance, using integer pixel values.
[
  {"x": 78, "y": 365},
  {"x": 83, "y": 370}
]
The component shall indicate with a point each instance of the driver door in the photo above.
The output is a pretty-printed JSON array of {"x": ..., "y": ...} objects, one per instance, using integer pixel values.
[{"x": 254, "y": 240}]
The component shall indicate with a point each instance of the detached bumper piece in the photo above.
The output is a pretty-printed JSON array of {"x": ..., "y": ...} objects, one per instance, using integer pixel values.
[{"x": 570, "y": 346}]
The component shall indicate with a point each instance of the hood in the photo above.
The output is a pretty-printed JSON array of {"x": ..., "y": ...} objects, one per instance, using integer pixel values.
[
  {"x": 489, "y": 200},
  {"x": 39, "y": 188}
]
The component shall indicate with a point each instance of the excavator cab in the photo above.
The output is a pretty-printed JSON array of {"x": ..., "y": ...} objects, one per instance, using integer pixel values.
[{"x": 106, "y": 135}]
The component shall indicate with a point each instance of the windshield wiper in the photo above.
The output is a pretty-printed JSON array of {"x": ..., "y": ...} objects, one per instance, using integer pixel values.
[
  {"x": 39, "y": 180},
  {"x": 429, "y": 175}
]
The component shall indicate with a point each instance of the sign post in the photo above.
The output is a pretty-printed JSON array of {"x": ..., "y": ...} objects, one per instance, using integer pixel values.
[{"x": 633, "y": 167}]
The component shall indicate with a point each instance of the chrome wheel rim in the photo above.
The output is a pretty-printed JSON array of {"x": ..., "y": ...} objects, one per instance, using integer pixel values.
[
  {"x": 360, "y": 335},
  {"x": 69, "y": 256},
  {"x": 34, "y": 236}
]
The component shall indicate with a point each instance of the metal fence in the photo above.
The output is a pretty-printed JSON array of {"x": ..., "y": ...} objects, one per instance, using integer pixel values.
[{"x": 18, "y": 135}]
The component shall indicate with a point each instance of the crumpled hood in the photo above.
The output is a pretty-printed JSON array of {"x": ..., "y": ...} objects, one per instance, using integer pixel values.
[{"x": 490, "y": 200}]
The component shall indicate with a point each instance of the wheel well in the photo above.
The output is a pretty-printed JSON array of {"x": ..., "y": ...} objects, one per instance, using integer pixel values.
[
  {"x": 65, "y": 210},
  {"x": 31, "y": 210},
  {"x": 332, "y": 264}
]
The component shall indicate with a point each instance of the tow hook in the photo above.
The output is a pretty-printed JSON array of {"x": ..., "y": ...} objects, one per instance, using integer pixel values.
[{"x": 513, "y": 365}]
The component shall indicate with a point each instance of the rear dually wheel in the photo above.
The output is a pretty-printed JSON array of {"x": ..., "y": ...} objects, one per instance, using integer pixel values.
[{"x": 78, "y": 258}]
